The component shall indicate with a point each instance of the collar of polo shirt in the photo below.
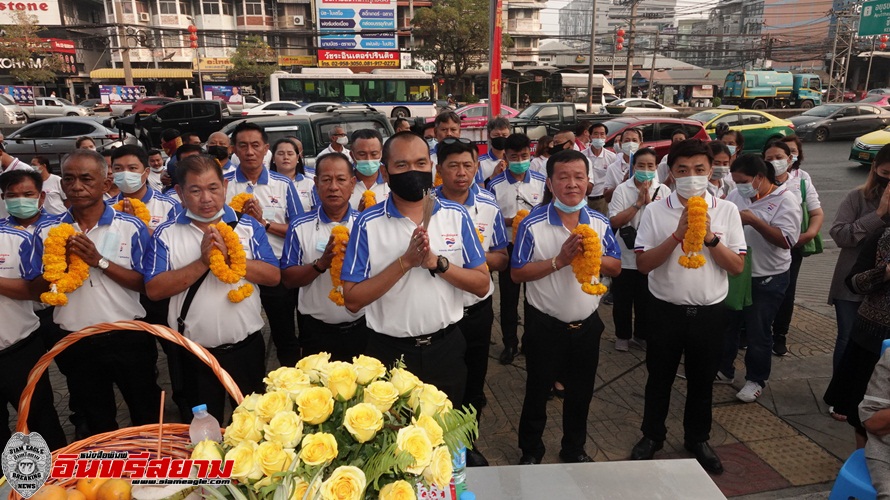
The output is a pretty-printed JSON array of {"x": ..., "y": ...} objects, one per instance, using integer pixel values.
[
  {"x": 107, "y": 216},
  {"x": 525, "y": 179},
  {"x": 392, "y": 211},
  {"x": 323, "y": 217},
  {"x": 471, "y": 196},
  {"x": 264, "y": 176},
  {"x": 229, "y": 215},
  {"x": 673, "y": 201},
  {"x": 553, "y": 216},
  {"x": 149, "y": 194}
]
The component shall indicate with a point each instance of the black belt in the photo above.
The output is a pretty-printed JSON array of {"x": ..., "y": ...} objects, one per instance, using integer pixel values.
[
  {"x": 562, "y": 325},
  {"x": 338, "y": 326},
  {"x": 473, "y": 309},
  {"x": 423, "y": 340},
  {"x": 595, "y": 198},
  {"x": 18, "y": 345},
  {"x": 236, "y": 345},
  {"x": 689, "y": 311}
]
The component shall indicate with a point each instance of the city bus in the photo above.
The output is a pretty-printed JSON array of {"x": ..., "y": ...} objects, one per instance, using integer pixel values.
[{"x": 394, "y": 92}]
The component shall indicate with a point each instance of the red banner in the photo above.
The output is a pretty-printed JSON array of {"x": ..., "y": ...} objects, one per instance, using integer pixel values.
[{"x": 494, "y": 61}]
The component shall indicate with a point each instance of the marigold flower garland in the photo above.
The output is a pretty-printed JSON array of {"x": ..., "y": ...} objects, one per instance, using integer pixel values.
[
  {"x": 480, "y": 235},
  {"x": 697, "y": 216},
  {"x": 233, "y": 273},
  {"x": 139, "y": 209},
  {"x": 341, "y": 239},
  {"x": 369, "y": 198},
  {"x": 56, "y": 263},
  {"x": 586, "y": 265},
  {"x": 238, "y": 201},
  {"x": 438, "y": 180},
  {"x": 517, "y": 219}
]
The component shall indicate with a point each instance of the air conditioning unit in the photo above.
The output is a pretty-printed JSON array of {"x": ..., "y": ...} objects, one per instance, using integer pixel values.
[
  {"x": 299, "y": 20},
  {"x": 145, "y": 17}
]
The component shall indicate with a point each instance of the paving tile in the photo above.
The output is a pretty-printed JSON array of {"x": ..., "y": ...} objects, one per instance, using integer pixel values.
[
  {"x": 750, "y": 422},
  {"x": 745, "y": 473},
  {"x": 797, "y": 459}
]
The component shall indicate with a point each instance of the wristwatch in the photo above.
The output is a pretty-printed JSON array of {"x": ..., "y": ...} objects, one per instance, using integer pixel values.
[
  {"x": 442, "y": 265},
  {"x": 714, "y": 242},
  {"x": 103, "y": 263},
  {"x": 317, "y": 269}
]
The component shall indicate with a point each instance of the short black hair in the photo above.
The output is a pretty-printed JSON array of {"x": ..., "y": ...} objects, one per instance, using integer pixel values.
[
  {"x": 186, "y": 135},
  {"x": 366, "y": 133},
  {"x": 681, "y": 130},
  {"x": 187, "y": 148},
  {"x": 132, "y": 149},
  {"x": 83, "y": 139},
  {"x": 152, "y": 152},
  {"x": 444, "y": 150},
  {"x": 399, "y": 120},
  {"x": 41, "y": 160},
  {"x": 517, "y": 142},
  {"x": 246, "y": 126},
  {"x": 777, "y": 144},
  {"x": 446, "y": 116},
  {"x": 718, "y": 147},
  {"x": 196, "y": 165},
  {"x": 581, "y": 127},
  {"x": 723, "y": 130},
  {"x": 16, "y": 177},
  {"x": 329, "y": 157},
  {"x": 752, "y": 165},
  {"x": 427, "y": 126},
  {"x": 688, "y": 149},
  {"x": 497, "y": 123},
  {"x": 387, "y": 146},
  {"x": 634, "y": 130},
  {"x": 644, "y": 152},
  {"x": 564, "y": 156},
  {"x": 599, "y": 125},
  {"x": 168, "y": 134}
]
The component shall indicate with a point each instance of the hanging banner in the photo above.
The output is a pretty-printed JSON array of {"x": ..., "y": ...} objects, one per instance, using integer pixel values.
[
  {"x": 357, "y": 59},
  {"x": 116, "y": 94},
  {"x": 494, "y": 60},
  {"x": 23, "y": 96},
  {"x": 357, "y": 24}
]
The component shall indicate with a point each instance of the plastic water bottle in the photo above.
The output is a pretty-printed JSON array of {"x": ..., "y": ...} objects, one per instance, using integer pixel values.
[
  {"x": 467, "y": 495},
  {"x": 204, "y": 426},
  {"x": 460, "y": 471}
]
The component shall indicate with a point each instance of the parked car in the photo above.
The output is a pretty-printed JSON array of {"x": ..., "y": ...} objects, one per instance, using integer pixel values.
[
  {"x": 150, "y": 104},
  {"x": 540, "y": 119},
  {"x": 55, "y": 137},
  {"x": 272, "y": 108},
  {"x": 200, "y": 116},
  {"x": 247, "y": 102},
  {"x": 10, "y": 112},
  {"x": 836, "y": 121},
  {"x": 758, "y": 128},
  {"x": 96, "y": 105},
  {"x": 316, "y": 107},
  {"x": 638, "y": 106},
  {"x": 656, "y": 130},
  {"x": 879, "y": 91},
  {"x": 882, "y": 100},
  {"x": 867, "y": 146},
  {"x": 476, "y": 115},
  {"x": 848, "y": 95},
  {"x": 52, "y": 107}
]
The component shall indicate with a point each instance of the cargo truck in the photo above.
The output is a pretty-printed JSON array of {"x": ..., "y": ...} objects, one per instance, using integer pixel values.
[{"x": 762, "y": 89}]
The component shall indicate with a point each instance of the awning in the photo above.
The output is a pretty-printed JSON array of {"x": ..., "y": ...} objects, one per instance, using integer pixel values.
[{"x": 142, "y": 73}]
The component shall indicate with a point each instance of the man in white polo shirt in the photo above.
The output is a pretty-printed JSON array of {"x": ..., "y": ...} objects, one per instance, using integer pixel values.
[
  {"x": 178, "y": 260},
  {"x": 21, "y": 344},
  {"x": 458, "y": 167},
  {"x": 494, "y": 161},
  {"x": 619, "y": 170},
  {"x": 308, "y": 253},
  {"x": 515, "y": 189},
  {"x": 367, "y": 149},
  {"x": 687, "y": 302},
  {"x": 274, "y": 204},
  {"x": 563, "y": 328},
  {"x": 338, "y": 143},
  {"x": 130, "y": 166},
  {"x": 112, "y": 244},
  {"x": 410, "y": 279},
  {"x": 600, "y": 158}
]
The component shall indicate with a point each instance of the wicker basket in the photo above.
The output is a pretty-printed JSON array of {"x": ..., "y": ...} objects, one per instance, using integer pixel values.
[{"x": 172, "y": 438}]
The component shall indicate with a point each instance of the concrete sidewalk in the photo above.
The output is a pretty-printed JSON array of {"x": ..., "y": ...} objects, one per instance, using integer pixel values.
[{"x": 783, "y": 446}]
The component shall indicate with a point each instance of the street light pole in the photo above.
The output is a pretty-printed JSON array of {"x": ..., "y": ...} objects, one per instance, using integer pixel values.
[
  {"x": 871, "y": 56},
  {"x": 592, "y": 51},
  {"x": 124, "y": 44},
  {"x": 652, "y": 69}
]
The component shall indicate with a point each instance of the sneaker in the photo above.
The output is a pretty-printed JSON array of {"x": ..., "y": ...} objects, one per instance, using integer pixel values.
[
  {"x": 750, "y": 392},
  {"x": 622, "y": 345},
  {"x": 723, "y": 379},
  {"x": 638, "y": 343},
  {"x": 779, "y": 348}
]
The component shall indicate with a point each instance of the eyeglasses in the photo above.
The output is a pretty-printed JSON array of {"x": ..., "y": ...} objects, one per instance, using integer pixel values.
[{"x": 452, "y": 140}]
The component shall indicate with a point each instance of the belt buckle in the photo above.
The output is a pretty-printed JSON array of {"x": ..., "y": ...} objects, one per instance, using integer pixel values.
[
  {"x": 575, "y": 326},
  {"x": 420, "y": 342},
  {"x": 691, "y": 311}
]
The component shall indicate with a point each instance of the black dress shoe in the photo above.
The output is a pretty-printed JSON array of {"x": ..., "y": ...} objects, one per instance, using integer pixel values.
[
  {"x": 581, "y": 458},
  {"x": 529, "y": 460},
  {"x": 508, "y": 354},
  {"x": 476, "y": 459},
  {"x": 645, "y": 449},
  {"x": 706, "y": 456}
]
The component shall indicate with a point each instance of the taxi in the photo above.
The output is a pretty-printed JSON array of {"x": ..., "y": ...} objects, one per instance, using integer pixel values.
[
  {"x": 758, "y": 128},
  {"x": 865, "y": 147}
]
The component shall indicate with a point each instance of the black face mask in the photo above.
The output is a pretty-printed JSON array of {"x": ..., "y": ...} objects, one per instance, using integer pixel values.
[
  {"x": 410, "y": 185},
  {"x": 882, "y": 181},
  {"x": 499, "y": 143},
  {"x": 221, "y": 153},
  {"x": 557, "y": 148}
]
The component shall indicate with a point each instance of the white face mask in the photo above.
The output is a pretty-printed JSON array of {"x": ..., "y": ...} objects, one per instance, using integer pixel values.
[
  {"x": 781, "y": 166},
  {"x": 720, "y": 172},
  {"x": 747, "y": 190},
  {"x": 343, "y": 140},
  {"x": 693, "y": 185},
  {"x": 194, "y": 216},
  {"x": 597, "y": 143},
  {"x": 128, "y": 182},
  {"x": 630, "y": 148}
]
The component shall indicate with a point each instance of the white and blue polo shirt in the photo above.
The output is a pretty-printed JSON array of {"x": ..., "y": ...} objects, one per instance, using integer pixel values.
[
  {"x": 380, "y": 236},
  {"x": 18, "y": 316},
  {"x": 487, "y": 163},
  {"x": 540, "y": 237},
  {"x": 11, "y": 222},
  {"x": 487, "y": 218},
  {"x": 275, "y": 193},
  {"x": 306, "y": 193},
  {"x": 380, "y": 189},
  {"x": 122, "y": 239},
  {"x": 212, "y": 320},
  {"x": 160, "y": 206},
  {"x": 307, "y": 237},
  {"x": 514, "y": 195}
]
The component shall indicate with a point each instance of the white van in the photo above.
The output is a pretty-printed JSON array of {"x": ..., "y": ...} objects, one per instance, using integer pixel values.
[{"x": 10, "y": 112}]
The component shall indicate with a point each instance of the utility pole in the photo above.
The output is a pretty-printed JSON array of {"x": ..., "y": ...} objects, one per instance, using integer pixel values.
[
  {"x": 124, "y": 44},
  {"x": 845, "y": 31},
  {"x": 590, "y": 57},
  {"x": 631, "y": 41},
  {"x": 652, "y": 69},
  {"x": 871, "y": 56}
]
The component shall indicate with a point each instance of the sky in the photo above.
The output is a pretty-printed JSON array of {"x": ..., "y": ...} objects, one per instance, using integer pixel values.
[{"x": 550, "y": 15}]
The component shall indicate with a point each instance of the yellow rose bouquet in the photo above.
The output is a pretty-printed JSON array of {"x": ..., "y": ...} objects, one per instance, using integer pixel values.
[{"x": 335, "y": 430}]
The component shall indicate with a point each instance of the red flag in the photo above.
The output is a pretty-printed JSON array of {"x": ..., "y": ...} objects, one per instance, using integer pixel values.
[{"x": 494, "y": 61}]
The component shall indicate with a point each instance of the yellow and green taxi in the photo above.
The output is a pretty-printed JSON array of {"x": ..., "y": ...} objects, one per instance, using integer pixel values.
[
  {"x": 758, "y": 128},
  {"x": 865, "y": 147}
]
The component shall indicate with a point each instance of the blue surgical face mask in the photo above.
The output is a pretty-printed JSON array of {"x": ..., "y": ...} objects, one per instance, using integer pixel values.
[
  {"x": 597, "y": 143},
  {"x": 731, "y": 149},
  {"x": 128, "y": 182},
  {"x": 196, "y": 217},
  {"x": 22, "y": 208},
  {"x": 519, "y": 167},
  {"x": 793, "y": 159},
  {"x": 562, "y": 207},
  {"x": 747, "y": 190},
  {"x": 431, "y": 142},
  {"x": 367, "y": 167},
  {"x": 644, "y": 175}
]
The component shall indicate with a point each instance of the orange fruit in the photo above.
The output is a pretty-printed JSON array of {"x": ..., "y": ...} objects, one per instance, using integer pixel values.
[
  {"x": 51, "y": 492},
  {"x": 114, "y": 489},
  {"x": 89, "y": 486},
  {"x": 73, "y": 494}
]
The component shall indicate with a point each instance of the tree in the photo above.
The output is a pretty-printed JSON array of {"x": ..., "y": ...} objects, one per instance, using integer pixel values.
[
  {"x": 454, "y": 35},
  {"x": 253, "y": 61},
  {"x": 31, "y": 59}
]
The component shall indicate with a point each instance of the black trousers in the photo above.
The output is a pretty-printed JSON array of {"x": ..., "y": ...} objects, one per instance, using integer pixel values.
[
  {"x": 246, "y": 363},
  {"x": 476, "y": 327},
  {"x": 95, "y": 364},
  {"x": 343, "y": 341},
  {"x": 440, "y": 363},
  {"x": 16, "y": 362},
  {"x": 48, "y": 330},
  {"x": 280, "y": 304},
  {"x": 509, "y": 304},
  {"x": 571, "y": 351},
  {"x": 630, "y": 308},
  {"x": 783, "y": 318},
  {"x": 697, "y": 332}
]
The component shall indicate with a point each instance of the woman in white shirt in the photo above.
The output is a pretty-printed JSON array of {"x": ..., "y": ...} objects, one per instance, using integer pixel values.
[
  {"x": 630, "y": 289},
  {"x": 771, "y": 218},
  {"x": 720, "y": 183},
  {"x": 287, "y": 160}
]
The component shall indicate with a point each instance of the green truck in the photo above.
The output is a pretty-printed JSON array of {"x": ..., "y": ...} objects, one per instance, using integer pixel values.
[{"x": 762, "y": 89}]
